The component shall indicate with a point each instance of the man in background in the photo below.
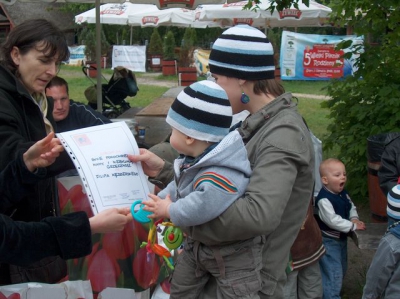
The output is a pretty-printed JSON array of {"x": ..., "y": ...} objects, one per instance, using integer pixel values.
[{"x": 68, "y": 114}]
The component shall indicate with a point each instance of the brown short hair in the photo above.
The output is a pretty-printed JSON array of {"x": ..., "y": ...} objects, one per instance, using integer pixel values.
[{"x": 58, "y": 81}]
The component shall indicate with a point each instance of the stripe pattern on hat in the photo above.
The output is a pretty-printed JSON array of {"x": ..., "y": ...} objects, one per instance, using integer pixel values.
[
  {"x": 393, "y": 203},
  {"x": 201, "y": 111},
  {"x": 243, "y": 52}
]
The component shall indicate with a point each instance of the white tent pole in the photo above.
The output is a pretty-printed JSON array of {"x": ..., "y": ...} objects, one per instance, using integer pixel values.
[{"x": 98, "y": 58}]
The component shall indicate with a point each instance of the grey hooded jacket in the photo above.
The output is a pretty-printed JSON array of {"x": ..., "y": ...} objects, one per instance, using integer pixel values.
[{"x": 205, "y": 190}]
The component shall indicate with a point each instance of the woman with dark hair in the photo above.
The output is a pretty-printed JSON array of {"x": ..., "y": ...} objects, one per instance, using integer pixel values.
[
  {"x": 281, "y": 155},
  {"x": 30, "y": 57}
]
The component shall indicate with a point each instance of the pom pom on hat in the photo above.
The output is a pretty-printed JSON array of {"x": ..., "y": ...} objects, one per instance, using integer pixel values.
[
  {"x": 243, "y": 52},
  {"x": 201, "y": 111}
]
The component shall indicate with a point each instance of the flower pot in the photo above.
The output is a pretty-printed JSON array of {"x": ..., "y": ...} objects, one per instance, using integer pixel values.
[
  {"x": 187, "y": 76},
  {"x": 92, "y": 69},
  {"x": 155, "y": 62},
  {"x": 169, "y": 67},
  {"x": 103, "y": 62}
]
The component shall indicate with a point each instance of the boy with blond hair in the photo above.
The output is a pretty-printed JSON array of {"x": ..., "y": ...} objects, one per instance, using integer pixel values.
[{"x": 337, "y": 217}]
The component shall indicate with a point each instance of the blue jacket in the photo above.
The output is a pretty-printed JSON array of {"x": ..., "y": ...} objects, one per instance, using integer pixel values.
[
  {"x": 80, "y": 116},
  {"x": 341, "y": 204}
]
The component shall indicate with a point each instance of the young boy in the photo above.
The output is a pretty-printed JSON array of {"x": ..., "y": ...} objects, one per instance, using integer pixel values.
[
  {"x": 337, "y": 217},
  {"x": 383, "y": 276},
  {"x": 211, "y": 173}
]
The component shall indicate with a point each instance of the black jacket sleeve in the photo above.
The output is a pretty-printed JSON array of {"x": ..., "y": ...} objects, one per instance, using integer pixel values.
[
  {"x": 16, "y": 182},
  {"x": 389, "y": 171},
  {"x": 22, "y": 243}
]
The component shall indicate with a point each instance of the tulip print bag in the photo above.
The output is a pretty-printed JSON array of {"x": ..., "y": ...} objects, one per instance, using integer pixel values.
[{"x": 48, "y": 270}]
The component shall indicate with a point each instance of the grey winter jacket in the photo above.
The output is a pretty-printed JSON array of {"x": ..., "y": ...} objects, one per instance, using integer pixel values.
[{"x": 281, "y": 154}]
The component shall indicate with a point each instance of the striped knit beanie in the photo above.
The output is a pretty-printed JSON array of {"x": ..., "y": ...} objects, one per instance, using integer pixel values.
[
  {"x": 393, "y": 203},
  {"x": 201, "y": 111},
  {"x": 243, "y": 52}
]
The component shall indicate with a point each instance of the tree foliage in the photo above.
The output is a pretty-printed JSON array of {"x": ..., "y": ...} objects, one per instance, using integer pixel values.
[
  {"x": 155, "y": 44},
  {"x": 367, "y": 103},
  {"x": 88, "y": 38},
  {"x": 188, "y": 42},
  {"x": 278, "y": 5},
  {"x": 169, "y": 46}
]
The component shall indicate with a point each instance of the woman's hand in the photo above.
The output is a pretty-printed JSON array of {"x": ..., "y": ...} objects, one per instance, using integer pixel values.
[
  {"x": 110, "y": 220},
  {"x": 151, "y": 163},
  {"x": 43, "y": 153}
]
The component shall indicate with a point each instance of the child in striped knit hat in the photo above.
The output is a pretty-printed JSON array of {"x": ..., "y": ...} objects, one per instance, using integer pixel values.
[
  {"x": 211, "y": 172},
  {"x": 383, "y": 276}
]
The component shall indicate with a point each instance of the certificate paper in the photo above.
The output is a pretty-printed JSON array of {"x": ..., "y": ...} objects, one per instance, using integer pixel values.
[{"x": 100, "y": 157}]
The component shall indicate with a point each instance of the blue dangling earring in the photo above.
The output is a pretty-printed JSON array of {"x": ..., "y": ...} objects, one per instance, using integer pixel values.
[{"x": 244, "y": 98}]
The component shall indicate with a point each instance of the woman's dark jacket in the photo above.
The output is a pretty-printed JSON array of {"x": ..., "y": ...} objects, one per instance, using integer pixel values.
[
  {"x": 21, "y": 125},
  {"x": 23, "y": 243}
]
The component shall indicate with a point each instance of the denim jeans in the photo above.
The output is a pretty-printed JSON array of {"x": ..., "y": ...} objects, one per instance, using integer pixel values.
[{"x": 333, "y": 266}]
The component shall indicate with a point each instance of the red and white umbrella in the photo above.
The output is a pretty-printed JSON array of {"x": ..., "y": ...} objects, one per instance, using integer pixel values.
[
  {"x": 314, "y": 15},
  {"x": 114, "y": 13},
  {"x": 161, "y": 4},
  {"x": 180, "y": 17}
]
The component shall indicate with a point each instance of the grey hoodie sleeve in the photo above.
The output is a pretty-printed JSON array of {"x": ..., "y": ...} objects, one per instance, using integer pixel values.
[{"x": 212, "y": 195}]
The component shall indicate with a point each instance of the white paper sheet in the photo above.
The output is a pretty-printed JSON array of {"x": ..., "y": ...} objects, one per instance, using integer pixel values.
[{"x": 100, "y": 156}]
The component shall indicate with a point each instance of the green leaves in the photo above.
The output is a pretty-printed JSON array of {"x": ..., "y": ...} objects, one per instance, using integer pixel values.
[
  {"x": 279, "y": 5},
  {"x": 367, "y": 103}
]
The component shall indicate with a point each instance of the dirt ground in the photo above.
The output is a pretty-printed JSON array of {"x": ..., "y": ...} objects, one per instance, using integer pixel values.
[
  {"x": 149, "y": 79},
  {"x": 358, "y": 261}
]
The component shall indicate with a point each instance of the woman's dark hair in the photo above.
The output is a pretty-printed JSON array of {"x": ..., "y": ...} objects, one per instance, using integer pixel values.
[
  {"x": 26, "y": 37},
  {"x": 269, "y": 86}
]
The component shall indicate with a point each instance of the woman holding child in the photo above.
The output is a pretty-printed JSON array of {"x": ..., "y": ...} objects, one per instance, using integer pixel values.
[{"x": 279, "y": 149}]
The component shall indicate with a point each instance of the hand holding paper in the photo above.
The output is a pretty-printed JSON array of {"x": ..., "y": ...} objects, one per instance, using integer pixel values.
[{"x": 100, "y": 155}]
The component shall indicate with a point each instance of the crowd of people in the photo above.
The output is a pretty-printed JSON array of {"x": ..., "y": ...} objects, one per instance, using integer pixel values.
[{"x": 243, "y": 194}]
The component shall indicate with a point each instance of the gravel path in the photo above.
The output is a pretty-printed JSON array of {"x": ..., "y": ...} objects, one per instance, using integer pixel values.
[{"x": 149, "y": 79}]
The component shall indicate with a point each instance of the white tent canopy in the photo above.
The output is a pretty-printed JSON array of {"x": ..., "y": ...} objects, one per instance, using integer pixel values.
[
  {"x": 144, "y": 15},
  {"x": 114, "y": 13},
  {"x": 161, "y": 4},
  {"x": 180, "y": 17},
  {"x": 231, "y": 14}
]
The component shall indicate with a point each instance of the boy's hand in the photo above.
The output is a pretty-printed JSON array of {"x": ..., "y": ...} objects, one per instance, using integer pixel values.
[
  {"x": 43, "y": 153},
  {"x": 159, "y": 207},
  {"x": 359, "y": 224}
]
